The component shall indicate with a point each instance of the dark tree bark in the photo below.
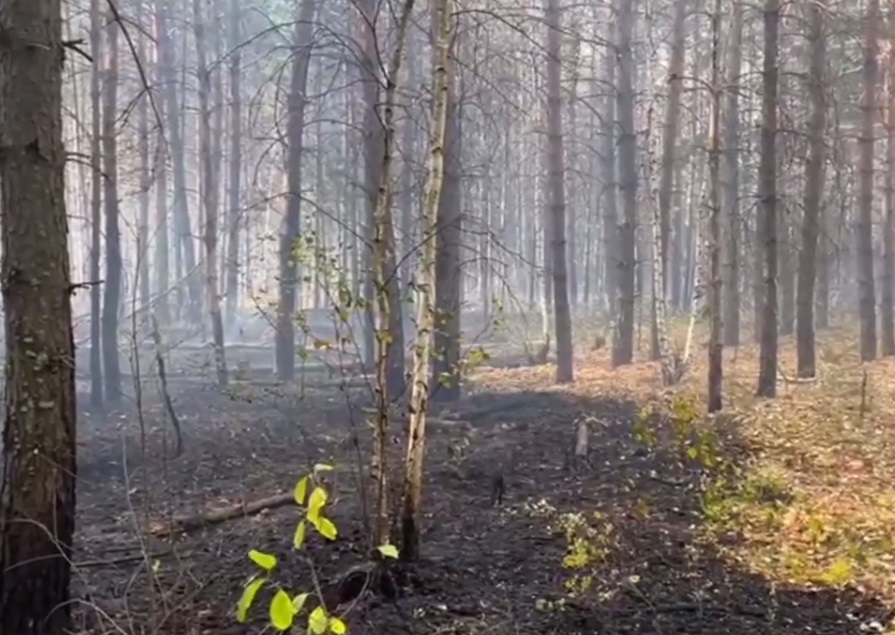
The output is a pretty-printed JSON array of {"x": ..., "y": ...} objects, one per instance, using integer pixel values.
[
  {"x": 814, "y": 179},
  {"x": 556, "y": 197},
  {"x": 96, "y": 201},
  {"x": 767, "y": 189},
  {"x": 623, "y": 342},
  {"x": 732, "y": 181},
  {"x": 37, "y": 496},
  {"x": 295, "y": 128},
  {"x": 186, "y": 245},
  {"x": 866, "y": 281},
  {"x": 112, "y": 285}
]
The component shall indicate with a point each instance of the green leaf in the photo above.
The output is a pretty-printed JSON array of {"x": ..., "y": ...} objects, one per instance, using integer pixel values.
[
  {"x": 298, "y": 602},
  {"x": 316, "y": 503},
  {"x": 692, "y": 452},
  {"x": 301, "y": 490},
  {"x": 247, "y": 598},
  {"x": 322, "y": 467},
  {"x": 337, "y": 626},
  {"x": 325, "y": 527},
  {"x": 281, "y": 611},
  {"x": 263, "y": 560},
  {"x": 388, "y": 551},
  {"x": 317, "y": 621},
  {"x": 298, "y": 541}
]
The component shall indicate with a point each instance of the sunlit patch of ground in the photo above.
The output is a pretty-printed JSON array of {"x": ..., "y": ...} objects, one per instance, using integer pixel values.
[{"x": 814, "y": 503}]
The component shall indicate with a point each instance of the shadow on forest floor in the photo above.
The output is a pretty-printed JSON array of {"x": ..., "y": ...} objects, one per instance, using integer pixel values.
[{"x": 631, "y": 528}]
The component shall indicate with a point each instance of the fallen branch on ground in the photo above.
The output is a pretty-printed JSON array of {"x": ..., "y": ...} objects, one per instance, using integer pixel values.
[{"x": 185, "y": 524}]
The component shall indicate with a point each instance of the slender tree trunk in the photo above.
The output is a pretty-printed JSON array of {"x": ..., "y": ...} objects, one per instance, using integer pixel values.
[
  {"x": 425, "y": 284},
  {"x": 37, "y": 495},
  {"x": 767, "y": 378},
  {"x": 186, "y": 248},
  {"x": 448, "y": 265},
  {"x": 623, "y": 342},
  {"x": 96, "y": 200},
  {"x": 379, "y": 147},
  {"x": 669, "y": 145},
  {"x": 234, "y": 160},
  {"x": 866, "y": 281},
  {"x": 864, "y": 234},
  {"x": 161, "y": 264},
  {"x": 814, "y": 183},
  {"x": 716, "y": 345},
  {"x": 209, "y": 191},
  {"x": 731, "y": 212},
  {"x": 145, "y": 182},
  {"x": 112, "y": 285},
  {"x": 295, "y": 127},
  {"x": 609, "y": 185},
  {"x": 887, "y": 311},
  {"x": 556, "y": 197}
]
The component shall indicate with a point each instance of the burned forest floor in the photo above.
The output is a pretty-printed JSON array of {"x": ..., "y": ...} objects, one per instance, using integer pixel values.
[{"x": 776, "y": 517}]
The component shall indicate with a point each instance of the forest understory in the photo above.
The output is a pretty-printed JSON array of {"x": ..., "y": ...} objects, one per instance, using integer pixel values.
[{"x": 773, "y": 518}]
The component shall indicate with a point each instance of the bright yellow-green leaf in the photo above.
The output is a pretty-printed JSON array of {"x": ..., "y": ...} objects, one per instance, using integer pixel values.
[
  {"x": 318, "y": 621},
  {"x": 323, "y": 467},
  {"x": 281, "y": 611},
  {"x": 325, "y": 527},
  {"x": 298, "y": 541},
  {"x": 263, "y": 560},
  {"x": 839, "y": 573},
  {"x": 692, "y": 452},
  {"x": 316, "y": 503},
  {"x": 388, "y": 551},
  {"x": 337, "y": 626},
  {"x": 301, "y": 490},
  {"x": 248, "y": 596},
  {"x": 298, "y": 602}
]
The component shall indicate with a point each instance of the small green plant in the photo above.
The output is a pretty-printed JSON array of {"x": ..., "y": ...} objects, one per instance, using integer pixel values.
[
  {"x": 588, "y": 544},
  {"x": 285, "y": 607},
  {"x": 642, "y": 428}
]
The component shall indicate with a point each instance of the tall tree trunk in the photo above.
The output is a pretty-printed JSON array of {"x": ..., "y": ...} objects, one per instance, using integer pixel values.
[
  {"x": 37, "y": 495},
  {"x": 732, "y": 221},
  {"x": 209, "y": 192},
  {"x": 161, "y": 264},
  {"x": 186, "y": 249},
  {"x": 379, "y": 150},
  {"x": 448, "y": 265},
  {"x": 767, "y": 174},
  {"x": 887, "y": 311},
  {"x": 623, "y": 342},
  {"x": 112, "y": 299},
  {"x": 609, "y": 190},
  {"x": 145, "y": 179},
  {"x": 669, "y": 145},
  {"x": 96, "y": 199},
  {"x": 425, "y": 285},
  {"x": 716, "y": 346},
  {"x": 295, "y": 127},
  {"x": 555, "y": 198},
  {"x": 234, "y": 161},
  {"x": 570, "y": 230},
  {"x": 814, "y": 183},
  {"x": 866, "y": 282}
]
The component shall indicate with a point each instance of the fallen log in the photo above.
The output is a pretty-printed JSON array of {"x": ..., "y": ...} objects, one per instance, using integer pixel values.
[{"x": 185, "y": 524}]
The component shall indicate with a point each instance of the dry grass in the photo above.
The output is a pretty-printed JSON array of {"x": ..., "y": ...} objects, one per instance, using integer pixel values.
[{"x": 828, "y": 444}]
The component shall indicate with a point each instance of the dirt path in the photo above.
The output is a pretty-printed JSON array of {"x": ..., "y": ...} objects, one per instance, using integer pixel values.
[{"x": 492, "y": 570}]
